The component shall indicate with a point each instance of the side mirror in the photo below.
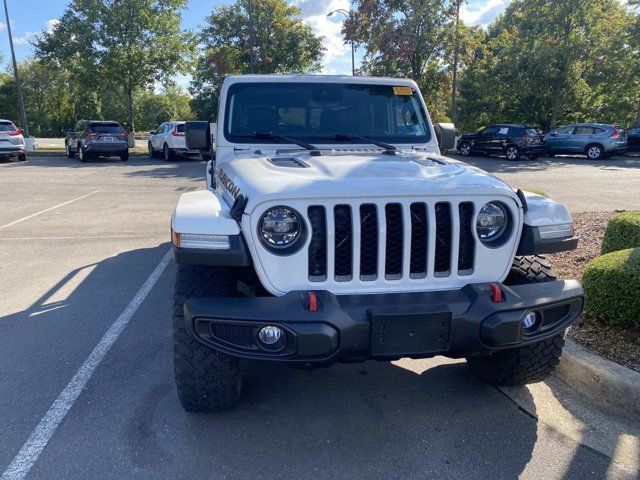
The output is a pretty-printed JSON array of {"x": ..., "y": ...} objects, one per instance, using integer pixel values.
[
  {"x": 198, "y": 135},
  {"x": 446, "y": 135}
]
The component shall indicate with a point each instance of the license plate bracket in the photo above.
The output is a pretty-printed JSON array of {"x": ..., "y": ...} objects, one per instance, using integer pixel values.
[{"x": 406, "y": 334}]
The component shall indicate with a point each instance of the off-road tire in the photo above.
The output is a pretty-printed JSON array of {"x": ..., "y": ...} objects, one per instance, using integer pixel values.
[
  {"x": 531, "y": 363},
  {"x": 206, "y": 380}
]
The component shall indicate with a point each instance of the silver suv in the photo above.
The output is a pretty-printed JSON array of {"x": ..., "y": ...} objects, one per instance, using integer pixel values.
[
  {"x": 11, "y": 141},
  {"x": 595, "y": 140}
]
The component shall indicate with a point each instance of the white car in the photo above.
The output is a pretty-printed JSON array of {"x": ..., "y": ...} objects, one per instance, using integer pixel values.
[
  {"x": 333, "y": 230},
  {"x": 168, "y": 140},
  {"x": 11, "y": 141}
]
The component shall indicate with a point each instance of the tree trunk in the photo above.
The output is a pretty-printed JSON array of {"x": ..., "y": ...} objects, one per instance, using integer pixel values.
[
  {"x": 130, "y": 116},
  {"x": 558, "y": 85},
  {"x": 454, "y": 86}
]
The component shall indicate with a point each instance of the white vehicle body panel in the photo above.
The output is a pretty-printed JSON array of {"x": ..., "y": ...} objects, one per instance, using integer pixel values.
[
  {"x": 203, "y": 212},
  {"x": 10, "y": 141},
  {"x": 353, "y": 175},
  {"x": 167, "y": 134}
]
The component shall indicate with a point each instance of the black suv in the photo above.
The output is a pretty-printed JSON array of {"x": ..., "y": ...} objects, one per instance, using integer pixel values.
[
  {"x": 97, "y": 138},
  {"x": 512, "y": 141}
]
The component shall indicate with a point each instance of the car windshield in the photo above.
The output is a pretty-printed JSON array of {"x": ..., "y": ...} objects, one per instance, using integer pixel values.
[
  {"x": 7, "y": 127},
  {"x": 106, "y": 128},
  {"x": 316, "y": 112}
]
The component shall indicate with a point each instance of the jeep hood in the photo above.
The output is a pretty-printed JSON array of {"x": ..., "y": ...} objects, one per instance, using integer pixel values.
[{"x": 263, "y": 178}]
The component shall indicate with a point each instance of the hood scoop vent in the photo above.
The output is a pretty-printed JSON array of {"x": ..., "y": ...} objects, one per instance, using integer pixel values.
[{"x": 288, "y": 162}]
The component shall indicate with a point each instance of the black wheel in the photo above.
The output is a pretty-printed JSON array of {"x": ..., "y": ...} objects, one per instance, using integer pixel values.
[
  {"x": 594, "y": 151},
  {"x": 168, "y": 154},
  {"x": 512, "y": 153},
  {"x": 124, "y": 156},
  {"x": 152, "y": 152},
  {"x": 22, "y": 157},
  {"x": 530, "y": 363},
  {"x": 206, "y": 379},
  {"x": 465, "y": 149},
  {"x": 68, "y": 150},
  {"x": 82, "y": 155}
]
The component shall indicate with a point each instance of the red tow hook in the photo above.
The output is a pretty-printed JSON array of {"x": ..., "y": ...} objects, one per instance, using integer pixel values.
[
  {"x": 496, "y": 293},
  {"x": 313, "y": 302}
]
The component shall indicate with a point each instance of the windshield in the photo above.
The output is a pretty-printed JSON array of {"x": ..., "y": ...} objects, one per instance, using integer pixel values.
[{"x": 315, "y": 112}]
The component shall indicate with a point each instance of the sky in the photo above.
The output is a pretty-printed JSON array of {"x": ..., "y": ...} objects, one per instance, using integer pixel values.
[{"x": 30, "y": 17}]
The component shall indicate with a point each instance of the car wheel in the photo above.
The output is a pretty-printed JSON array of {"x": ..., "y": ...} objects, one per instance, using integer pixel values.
[
  {"x": 512, "y": 153},
  {"x": 168, "y": 154},
  {"x": 594, "y": 152},
  {"x": 70, "y": 153},
  {"x": 465, "y": 149},
  {"x": 82, "y": 155},
  {"x": 124, "y": 156},
  {"x": 206, "y": 379},
  {"x": 22, "y": 157},
  {"x": 152, "y": 153}
]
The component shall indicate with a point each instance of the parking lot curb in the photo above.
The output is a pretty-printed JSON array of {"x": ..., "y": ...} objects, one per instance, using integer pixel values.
[{"x": 599, "y": 379}]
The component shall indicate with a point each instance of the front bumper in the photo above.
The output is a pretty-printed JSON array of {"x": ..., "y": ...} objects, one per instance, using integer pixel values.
[{"x": 454, "y": 323}]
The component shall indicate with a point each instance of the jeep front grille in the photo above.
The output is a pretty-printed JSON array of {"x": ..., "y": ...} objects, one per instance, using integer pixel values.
[{"x": 393, "y": 241}]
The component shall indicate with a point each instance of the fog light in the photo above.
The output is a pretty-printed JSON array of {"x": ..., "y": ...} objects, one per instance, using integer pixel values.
[
  {"x": 529, "y": 320},
  {"x": 270, "y": 335}
]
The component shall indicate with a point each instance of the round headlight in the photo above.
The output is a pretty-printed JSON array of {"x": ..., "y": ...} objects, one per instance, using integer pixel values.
[
  {"x": 280, "y": 227},
  {"x": 492, "y": 221}
]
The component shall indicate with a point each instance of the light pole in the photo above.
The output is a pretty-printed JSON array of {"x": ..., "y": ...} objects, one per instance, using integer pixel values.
[
  {"x": 23, "y": 115},
  {"x": 353, "y": 48}
]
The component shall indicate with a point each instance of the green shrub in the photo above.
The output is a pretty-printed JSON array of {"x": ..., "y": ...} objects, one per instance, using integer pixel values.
[
  {"x": 623, "y": 231},
  {"x": 612, "y": 288}
]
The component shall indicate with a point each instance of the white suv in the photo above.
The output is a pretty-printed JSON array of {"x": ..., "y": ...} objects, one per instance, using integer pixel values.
[
  {"x": 169, "y": 140},
  {"x": 11, "y": 141},
  {"x": 332, "y": 230}
]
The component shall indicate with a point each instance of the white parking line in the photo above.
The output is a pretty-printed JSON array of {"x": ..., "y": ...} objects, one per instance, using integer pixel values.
[
  {"x": 46, "y": 210},
  {"x": 44, "y": 431}
]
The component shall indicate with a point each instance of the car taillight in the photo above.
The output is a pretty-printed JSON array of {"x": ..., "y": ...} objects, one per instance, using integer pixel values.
[
  {"x": 178, "y": 134},
  {"x": 526, "y": 139},
  {"x": 615, "y": 133},
  {"x": 89, "y": 134},
  {"x": 15, "y": 133}
]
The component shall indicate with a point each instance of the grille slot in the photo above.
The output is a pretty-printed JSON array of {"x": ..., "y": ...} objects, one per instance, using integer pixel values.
[
  {"x": 394, "y": 241},
  {"x": 419, "y": 240},
  {"x": 368, "y": 242},
  {"x": 241, "y": 335},
  {"x": 466, "y": 249},
  {"x": 553, "y": 315},
  {"x": 343, "y": 243},
  {"x": 443, "y": 240},
  {"x": 318, "y": 244}
]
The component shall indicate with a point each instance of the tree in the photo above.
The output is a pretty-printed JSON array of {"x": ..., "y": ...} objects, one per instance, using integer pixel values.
[
  {"x": 547, "y": 62},
  {"x": 409, "y": 39},
  {"x": 282, "y": 44},
  {"x": 123, "y": 46}
]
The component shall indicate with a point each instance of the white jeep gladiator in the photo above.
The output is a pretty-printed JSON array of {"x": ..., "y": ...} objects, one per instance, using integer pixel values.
[{"x": 333, "y": 230}]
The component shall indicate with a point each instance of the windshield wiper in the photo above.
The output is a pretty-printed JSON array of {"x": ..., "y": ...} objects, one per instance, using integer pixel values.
[
  {"x": 272, "y": 136},
  {"x": 389, "y": 149}
]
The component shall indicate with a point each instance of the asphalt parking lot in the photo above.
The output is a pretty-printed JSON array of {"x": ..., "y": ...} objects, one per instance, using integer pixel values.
[{"x": 83, "y": 247}]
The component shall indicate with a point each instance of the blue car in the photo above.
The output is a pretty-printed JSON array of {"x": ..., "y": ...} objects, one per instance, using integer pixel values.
[{"x": 595, "y": 140}]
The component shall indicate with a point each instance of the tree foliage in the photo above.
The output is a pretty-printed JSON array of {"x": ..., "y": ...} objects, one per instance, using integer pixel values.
[
  {"x": 120, "y": 46},
  {"x": 547, "y": 62},
  {"x": 282, "y": 44}
]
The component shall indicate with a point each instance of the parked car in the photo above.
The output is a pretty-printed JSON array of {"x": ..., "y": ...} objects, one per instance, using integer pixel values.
[
  {"x": 595, "y": 140},
  {"x": 11, "y": 141},
  {"x": 97, "y": 138},
  {"x": 512, "y": 141},
  {"x": 633, "y": 138},
  {"x": 169, "y": 140},
  {"x": 332, "y": 230}
]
